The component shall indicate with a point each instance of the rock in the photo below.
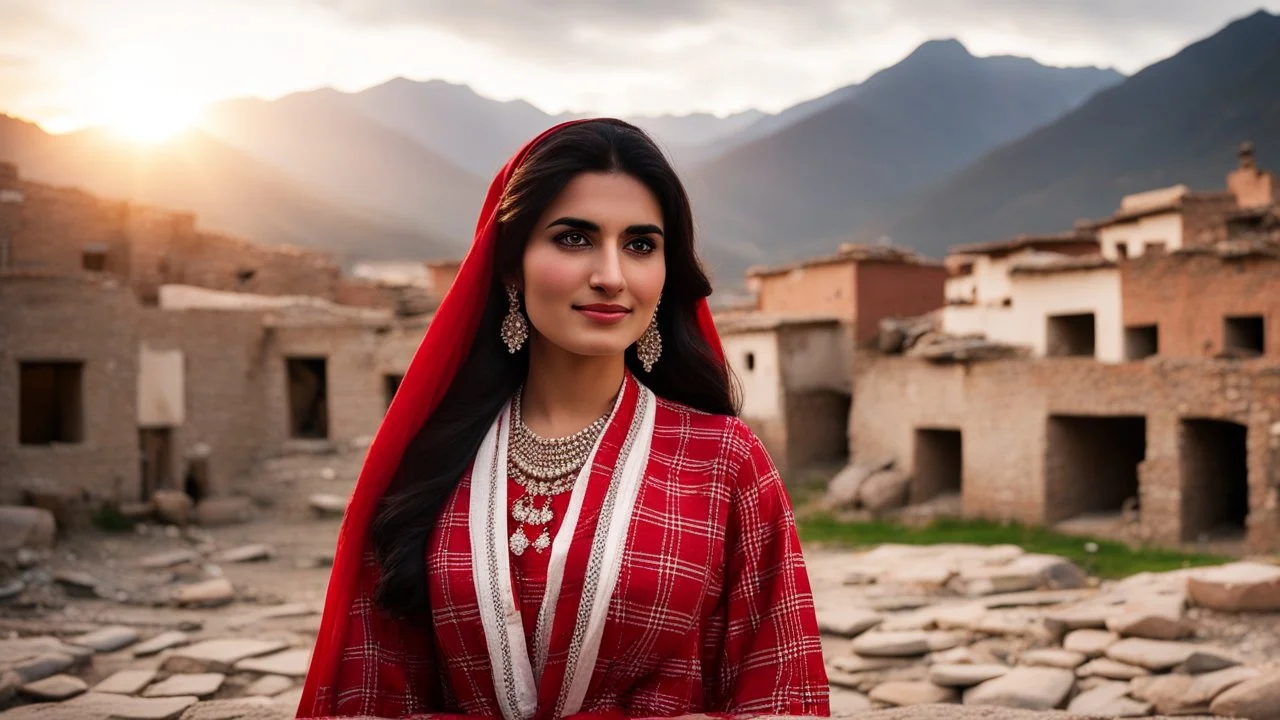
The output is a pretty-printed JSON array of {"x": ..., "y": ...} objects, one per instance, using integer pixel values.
[
  {"x": 126, "y": 682},
  {"x": 217, "y": 656},
  {"x": 173, "y": 506},
  {"x": 847, "y": 702},
  {"x": 965, "y": 675},
  {"x": 244, "y": 708},
  {"x": 842, "y": 491},
  {"x": 123, "y": 707},
  {"x": 1205, "y": 662},
  {"x": 163, "y": 560},
  {"x": 1109, "y": 700},
  {"x": 325, "y": 504},
  {"x": 55, "y": 689},
  {"x": 1111, "y": 670},
  {"x": 1054, "y": 657},
  {"x": 1090, "y": 643},
  {"x": 77, "y": 584},
  {"x": 1155, "y": 655},
  {"x": 962, "y": 616},
  {"x": 1081, "y": 617},
  {"x": 163, "y": 641},
  {"x": 921, "y": 619},
  {"x": 269, "y": 685},
  {"x": 10, "y": 682},
  {"x": 27, "y": 558},
  {"x": 1028, "y": 688},
  {"x": 1055, "y": 573},
  {"x": 847, "y": 621},
  {"x": 855, "y": 664},
  {"x": 990, "y": 580},
  {"x": 925, "y": 576},
  {"x": 913, "y": 693},
  {"x": 289, "y": 662},
  {"x": 892, "y": 644},
  {"x": 1189, "y": 694},
  {"x": 1237, "y": 587},
  {"x": 246, "y": 553},
  {"x": 216, "y": 511},
  {"x": 11, "y": 589},
  {"x": 42, "y": 666},
  {"x": 210, "y": 593},
  {"x": 107, "y": 639},
  {"x": 1257, "y": 699},
  {"x": 885, "y": 490},
  {"x": 197, "y": 684},
  {"x": 1156, "y": 618}
]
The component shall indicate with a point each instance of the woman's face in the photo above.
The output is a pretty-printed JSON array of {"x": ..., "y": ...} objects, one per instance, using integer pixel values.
[{"x": 594, "y": 266}]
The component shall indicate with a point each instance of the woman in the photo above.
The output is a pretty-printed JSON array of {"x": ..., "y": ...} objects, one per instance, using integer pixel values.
[{"x": 560, "y": 513}]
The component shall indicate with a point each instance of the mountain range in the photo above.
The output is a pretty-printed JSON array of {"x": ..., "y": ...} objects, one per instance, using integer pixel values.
[{"x": 939, "y": 149}]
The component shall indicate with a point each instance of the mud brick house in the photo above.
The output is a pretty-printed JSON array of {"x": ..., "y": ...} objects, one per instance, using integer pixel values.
[{"x": 136, "y": 346}]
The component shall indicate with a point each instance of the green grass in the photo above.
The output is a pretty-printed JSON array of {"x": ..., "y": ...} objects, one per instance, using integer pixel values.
[{"x": 1110, "y": 560}]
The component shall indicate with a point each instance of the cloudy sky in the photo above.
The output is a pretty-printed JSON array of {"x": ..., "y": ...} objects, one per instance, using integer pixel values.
[{"x": 70, "y": 63}]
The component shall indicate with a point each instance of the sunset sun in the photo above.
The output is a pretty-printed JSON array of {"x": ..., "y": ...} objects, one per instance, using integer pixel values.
[
  {"x": 140, "y": 97},
  {"x": 147, "y": 118}
]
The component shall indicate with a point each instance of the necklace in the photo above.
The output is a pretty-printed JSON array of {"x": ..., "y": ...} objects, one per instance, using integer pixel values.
[{"x": 544, "y": 468}]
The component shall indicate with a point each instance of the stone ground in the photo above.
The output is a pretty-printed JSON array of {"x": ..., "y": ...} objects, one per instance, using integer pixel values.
[{"x": 980, "y": 630}]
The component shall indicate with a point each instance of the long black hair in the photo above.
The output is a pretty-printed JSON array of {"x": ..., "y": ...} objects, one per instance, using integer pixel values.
[{"x": 688, "y": 372}]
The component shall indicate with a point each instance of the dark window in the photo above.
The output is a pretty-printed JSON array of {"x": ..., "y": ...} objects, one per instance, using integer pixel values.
[
  {"x": 1071, "y": 335},
  {"x": 1244, "y": 335},
  {"x": 1122, "y": 250},
  {"x": 750, "y": 361},
  {"x": 308, "y": 398},
  {"x": 50, "y": 403},
  {"x": 1141, "y": 341},
  {"x": 93, "y": 260},
  {"x": 390, "y": 384}
]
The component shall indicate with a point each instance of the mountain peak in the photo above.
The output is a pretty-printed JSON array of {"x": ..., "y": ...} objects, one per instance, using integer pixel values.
[{"x": 941, "y": 49}]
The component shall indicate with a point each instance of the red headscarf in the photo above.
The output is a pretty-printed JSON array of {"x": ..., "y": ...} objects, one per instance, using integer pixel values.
[{"x": 443, "y": 349}]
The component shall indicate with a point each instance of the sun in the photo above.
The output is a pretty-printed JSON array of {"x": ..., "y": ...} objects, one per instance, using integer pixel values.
[
  {"x": 144, "y": 96},
  {"x": 149, "y": 119}
]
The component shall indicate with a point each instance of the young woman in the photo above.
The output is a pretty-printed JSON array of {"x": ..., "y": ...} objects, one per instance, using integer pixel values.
[{"x": 561, "y": 513}]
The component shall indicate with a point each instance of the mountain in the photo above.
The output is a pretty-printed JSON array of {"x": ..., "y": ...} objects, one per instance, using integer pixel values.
[
  {"x": 769, "y": 124},
  {"x": 228, "y": 190},
  {"x": 1177, "y": 121},
  {"x": 318, "y": 140},
  {"x": 800, "y": 189}
]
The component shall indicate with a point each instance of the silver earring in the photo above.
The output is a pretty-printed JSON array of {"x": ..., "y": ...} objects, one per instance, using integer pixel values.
[
  {"x": 649, "y": 346},
  {"x": 515, "y": 330}
]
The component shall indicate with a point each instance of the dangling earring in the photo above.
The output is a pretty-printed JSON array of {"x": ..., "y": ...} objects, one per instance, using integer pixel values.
[
  {"x": 515, "y": 330},
  {"x": 649, "y": 346}
]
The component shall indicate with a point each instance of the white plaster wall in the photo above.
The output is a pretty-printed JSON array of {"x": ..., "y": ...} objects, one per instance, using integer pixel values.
[
  {"x": 994, "y": 322},
  {"x": 1038, "y": 296},
  {"x": 962, "y": 288},
  {"x": 1165, "y": 228},
  {"x": 762, "y": 385}
]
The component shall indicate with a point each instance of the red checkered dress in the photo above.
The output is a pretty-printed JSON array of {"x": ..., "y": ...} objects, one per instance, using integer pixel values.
[{"x": 712, "y": 610}]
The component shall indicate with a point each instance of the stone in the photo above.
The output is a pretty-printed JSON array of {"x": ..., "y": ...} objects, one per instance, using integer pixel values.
[
  {"x": 1156, "y": 618},
  {"x": 11, "y": 589},
  {"x": 55, "y": 688},
  {"x": 1155, "y": 655},
  {"x": 1189, "y": 694},
  {"x": 842, "y": 491},
  {"x": 197, "y": 684},
  {"x": 289, "y": 662},
  {"x": 160, "y": 561},
  {"x": 42, "y": 666},
  {"x": 1028, "y": 688},
  {"x": 1054, "y": 657},
  {"x": 217, "y": 511},
  {"x": 847, "y": 621},
  {"x": 855, "y": 664},
  {"x": 243, "y": 708},
  {"x": 991, "y": 580},
  {"x": 163, "y": 641},
  {"x": 921, "y": 619},
  {"x": 965, "y": 675},
  {"x": 325, "y": 504},
  {"x": 246, "y": 553},
  {"x": 76, "y": 583},
  {"x": 26, "y": 527},
  {"x": 1257, "y": 699},
  {"x": 107, "y": 639},
  {"x": 913, "y": 693},
  {"x": 1055, "y": 573},
  {"x": 1111, "y": 669},
  {"x": 124, "y": 707},
  {"x": 10, "y": 683},
  {"x": 961, "y": 616},
  {"x": 172, "y": 506},
  {"x": 892, "y": 644},
  {"x": 1081, "y": 617},
  {"x": 1236, "y": 587},
  {"x": 1205, "y": 662},
  {"x": 210, "y": 593},
  {"x": 269, "y": 685},
  {"x": 218, "y": 656},
  {"x": 126, "y": 682},
  {"x": 1108, "y": 700},
  {"x": 1090, "y": 643},
  {"x": 884, "y": 490},
  {"x": 28, "y": 558},
  {"x": 939, "y": 641},
  {"x": 847, "y": 702}
]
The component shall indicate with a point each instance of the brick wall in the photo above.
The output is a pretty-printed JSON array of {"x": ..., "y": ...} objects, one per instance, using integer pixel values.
[
  {"x": 826, "y": 289},
  {"x": 56, "y": 225},
  {"x": 1204, "y": 217},
  {"x": 221, "y": 262},
  {"x": 1002, "y": 409},
  {"x": 72, "y": 319},
  {"x": 1188, "y": 295},
  {"x": 890, "y": 289}
]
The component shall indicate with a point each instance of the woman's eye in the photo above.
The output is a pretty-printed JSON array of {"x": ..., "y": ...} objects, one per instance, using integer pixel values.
[
  {"x": 643, "y": 245},
  {"x": 572, "y": 239}
]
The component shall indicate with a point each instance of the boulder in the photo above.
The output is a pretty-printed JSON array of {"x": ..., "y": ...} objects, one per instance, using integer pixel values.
[
  {"x": 1258, "y": 698},
  {"x": 1189, "y": 694},
  {"x": 26, "y": 527},
  {"x": 1155, "y": 618},
  {"x": 1237, "y": 587},
  {"x": 1027, "y": 688},
  {"x": 172, "y": 506},
  {"x": 842, "y": 491},
  {"x": 885, "y": 490}
]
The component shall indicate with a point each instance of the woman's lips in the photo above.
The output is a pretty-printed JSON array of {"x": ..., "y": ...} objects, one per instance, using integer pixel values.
[{"x": 603, "y": 314}]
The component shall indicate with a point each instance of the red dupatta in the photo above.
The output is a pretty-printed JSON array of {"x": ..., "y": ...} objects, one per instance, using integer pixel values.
[{"x": 442, "y": 350}]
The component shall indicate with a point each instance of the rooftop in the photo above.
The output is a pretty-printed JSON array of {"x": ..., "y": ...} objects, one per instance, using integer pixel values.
[
  {"x": 1052, "y": 264},
  {"x": 758, "y": 322},
  {"x": 999, "y": 247},
  {"x": 850, "y": 253}
]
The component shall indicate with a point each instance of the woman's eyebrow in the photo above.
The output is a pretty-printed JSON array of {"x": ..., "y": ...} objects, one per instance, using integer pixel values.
[{"x": 576, "y": 224}]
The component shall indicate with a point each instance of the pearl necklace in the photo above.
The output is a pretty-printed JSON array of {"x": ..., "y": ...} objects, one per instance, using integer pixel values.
[{"x": 545, "y": 468}]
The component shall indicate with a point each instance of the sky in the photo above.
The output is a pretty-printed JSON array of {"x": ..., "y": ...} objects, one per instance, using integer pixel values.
[{"x": 67, "y": 64}]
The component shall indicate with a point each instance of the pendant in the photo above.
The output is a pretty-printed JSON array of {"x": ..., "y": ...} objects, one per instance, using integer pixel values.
[
  {"x": 519, "y": 542},
  {"x": 543, "y": 542}
]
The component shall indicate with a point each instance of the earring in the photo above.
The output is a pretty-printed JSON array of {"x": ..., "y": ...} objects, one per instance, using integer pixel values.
[
  {"x": 515, "y": 330},
  {"x": 649, "y": 346}
]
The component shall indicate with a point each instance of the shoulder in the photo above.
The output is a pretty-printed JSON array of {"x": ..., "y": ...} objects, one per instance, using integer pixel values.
[{"x": 722, "y": 439}]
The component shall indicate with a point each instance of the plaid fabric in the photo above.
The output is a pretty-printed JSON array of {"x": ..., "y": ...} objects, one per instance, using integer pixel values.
[{"x": 712, "y": 611}]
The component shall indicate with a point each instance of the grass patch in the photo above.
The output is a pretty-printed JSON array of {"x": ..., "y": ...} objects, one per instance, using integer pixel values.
[{"x": 1109, "y": 560}]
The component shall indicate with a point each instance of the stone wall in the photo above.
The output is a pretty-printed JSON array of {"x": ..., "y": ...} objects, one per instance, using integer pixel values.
[{"x": 1011, "y": 470}]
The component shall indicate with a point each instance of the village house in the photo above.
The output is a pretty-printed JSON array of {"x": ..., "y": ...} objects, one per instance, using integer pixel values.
[
  {"x": 141, "y": 353},
  {"x": 1150, "y": 404}
]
